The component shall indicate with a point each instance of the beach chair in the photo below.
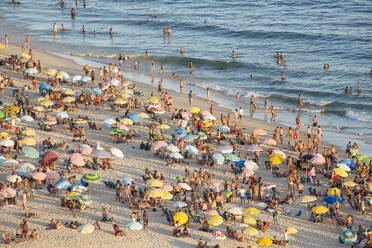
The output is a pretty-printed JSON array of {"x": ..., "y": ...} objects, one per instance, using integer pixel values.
[{"x": 299, "y": 213}]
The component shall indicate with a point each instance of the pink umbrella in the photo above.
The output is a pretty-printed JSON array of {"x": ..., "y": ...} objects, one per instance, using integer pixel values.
[
  {"x": 205, "y": 113},
  {"x": 259, "y": 131},
  {"x": 158, "y": 144},
  {"x": 52, "y": 175},
  {"x": 167, "y": 188},
  {"x": 38, "y": 175},
  {"x": 318, "y": 160},
  {"x": 270, "y": 142},
  {"x": 77, "y": 159},
  {"x": 211, "y": 212},
  {"x": 123, "y": 127},
  {"x": 8, "y": 192},
  {"x": 185, "y": 115},
  {"x": 86, "y": 149},
  {"x": 247, "y": 173}
]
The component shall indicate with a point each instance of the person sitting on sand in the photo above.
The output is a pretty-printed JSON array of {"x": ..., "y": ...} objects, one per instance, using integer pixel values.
[
  {"x": 117, "y": 230},
  {"x": 59, "y": 224},
  {"x": 34, "y": 235}
]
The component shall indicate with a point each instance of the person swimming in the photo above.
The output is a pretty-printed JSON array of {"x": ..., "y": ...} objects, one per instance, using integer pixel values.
[
  {"x": 326, "y": 66},
  {"x": 359, "y": 89},
  {"x": 73, "y": 13},
  {"x": 233, "y": 54},
  {"x": 283, "y": 76},
  {"x": 347, "y": 90},
  {"x": 83, "y": 29},
  {"x": 181, "y": 51}
]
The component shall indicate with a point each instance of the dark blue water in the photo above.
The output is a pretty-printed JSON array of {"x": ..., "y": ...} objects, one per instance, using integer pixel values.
[{"x": 309, "y": 33}]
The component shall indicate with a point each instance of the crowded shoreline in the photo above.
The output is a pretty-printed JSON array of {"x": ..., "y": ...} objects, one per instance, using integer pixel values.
[{"x": 242, "y": 139}]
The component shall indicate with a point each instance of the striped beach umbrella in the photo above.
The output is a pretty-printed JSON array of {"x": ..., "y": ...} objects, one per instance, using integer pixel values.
[
  {"x": 232, "y": 157},
  {"x": 83, "y": 199},
  {"x": 50, "y": 121},
  {"x": 166, "y": 195},
  {"x": 215, "y": 220},
  {"x": 30, "y": 152},
  {"x": 250, "y": 231},
  {"x": 72, "y": 195},
  {"x": 91, "y": 178},
  {"x": 101, "y": 153},
  {"x": 226, "y": 193},
  {"x": 249, "y": 220},
  {"x": 13, "y": 120},
  {"x": 251, "y": 211}
]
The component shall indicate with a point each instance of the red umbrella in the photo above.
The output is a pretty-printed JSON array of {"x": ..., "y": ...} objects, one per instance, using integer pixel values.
[{"x": 50, "y": 157}]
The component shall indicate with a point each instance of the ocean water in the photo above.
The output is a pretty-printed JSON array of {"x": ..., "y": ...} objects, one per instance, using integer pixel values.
[{"x": 309, "y": 33}]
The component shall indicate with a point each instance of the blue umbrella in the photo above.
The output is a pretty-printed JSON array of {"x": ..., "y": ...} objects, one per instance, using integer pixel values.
[
  {"x": 332, "y": 199},
  {"x": 180, "y": 130},
  {"x": 95, "y": 91},
  {"x": 191, "y": 149},
  {"x": 240, "y": 163},
  {"x": 348, "y": 162},
  {"x": 62, "y": 115},
  {"x": 63, "y": 185},
  {"x": 180, "y": 135},
  {"x": 44, "y": 87},
  {"x": 224, "y": 129},
  {"x": 134, "y": 117},
  {"x": 27, "y": 118},
  {"x": 109, "y": 121},
  {"x": 189, "y": 137},
  {"x": 2, "y": 159}
]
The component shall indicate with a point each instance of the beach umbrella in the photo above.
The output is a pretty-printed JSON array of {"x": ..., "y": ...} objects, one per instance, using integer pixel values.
[
  {"x": 206, "y": 123},
  {"x": 226, "y": 193},
  {"x": 331, "y": 199},
  {"x": 77, "y": 159},
  {"x": 205, "y": 113},
  {"x": 250, "y": 231},
  {"x": 249, "y": 220},
  {"x": 115, "y": 82},
  {"x": 259, "y": 131},
  {"x": 46, "y": 103},
  {"x": 218, "y": 158},
  {"x": 209, "y": 117},
  {"x": 155, "y": 183},
  {"x": 101, "y": 153},
  {"x": 348, "y": 162},
  {"x": 318, "y": 159},
  {"x": 38, "y": 109},
  {"x": 162, "y": 127},
  {"x": 126, "y": 121},
  {"x": 223, "y": 129},
  {"x": 180, "y": 218},
  {"x": 52, "y": 72},
  {"x": 117, "y": 153},
  {"x": 235, "y": 210},
  {"x": 349, "y": 236},
  {"x": 225, "y": 149},
  {"x": 84, "y": 148},
  {"x": 155, "y": 193},
  {"x": 2, "y": 114},
  {"x": 215, "y": 220},
  {"x": 180, "y": 130},
  {"x": 63, "y": 185},
  {"x": 158, "y": 111},
  {"x": 38, "y": 176},
  {"x": 343, "y": 166},
  {"x": 91, "y": 178},
  {"x": 350, "y": 183},
  {"x": 31, "y": 70},
  {"x": 50, "y": 121},
  {"x": 7, "y": 143},
  {"x": 270, "y": 142},
  {"x": 72, "y": 195},
  {"x": 83, "y": 199},
  {"x": 8, "y": 192},
  {"x": 4, "y": 136},
  {"x": 30, "y": 152},
  {"x": 185, "y": 115},
  {"x": 28, "y": 141},
  {"x": 250, "y": 165},
  {"x": 218, "y": 235},
  {"x": 276, "y": 159},
  {"x": 307, "y": 199},
  {"x": 247, "y": 173},
  {"x": 334, "y": 191},
  {"x": 13, "y": 120},
  {"x": 127, "y": 180},
  {"x": 86, "y": 228},
  {"x": 240, "y": 226},
  {"x": 120, "y": 101},
  {"x": 319, "y": 210},
  {"x": 28, "y": 132},
  {"x": 363, "y": 158},
  {"x": 290, "y": 230},
  {"x": 153, "y": 99},
  {"x": 179, "y": 136},
  {"x": 13, "y": 178},
  {"x": 251, "y": 211},
  {"x": 27, "y": 118},
  {"x": 109, "y": 121},
  {"x": 210, "y": 212},
  {"x": 117, "y": 130},
  {"x": 11, "y": 110},
  {"x": 68, "y": 92},
  {"x": 176, "y": 155},
  {"x": 27, "y": 166},
  {"x": 68, "y": 99},
  {"x": 52, "y": 175},
  {"x": 124, "y": 128},
  {"x": 143, "y": 115},
  {"x": 278, "y": 152},
  {"x": 50, "y": 157},
  {"x": 63, "y": 75},
  {"x": 232, "y": 157},
  {"x": 95, "y": 91},
  {"x": 134, "y": 118},
  {"x": 158, "y": 144},
  {"x": 264, "y": 241},
  {"x": 172, "y": 148},
  {"x": 194, "y": 110},
  {"x": 254, "y": 148},
  {"x": 184, "y": 186},
  {"x": 340, "y": 172},
  {"x": 2, "y": 159},
  {"x": 22, "y": 172},
  {"x": 80, "y": 121},
  {"x": 135, "y": 226},
  {"x": 192, "y": 150},
  {"x": 189, "y": 138},
  {"x": 166, "y": 195},
  {"x": 79, "y": 188},
  {"x": 62, "y": 115},
  {"x": 269, "y": 186},
  {"x": 179, "y": 204},
  {"x": 154, "y": 105}
]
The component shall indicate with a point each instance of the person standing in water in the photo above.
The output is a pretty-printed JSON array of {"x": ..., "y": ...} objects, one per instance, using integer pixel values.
[
  {"x": 73, "y": 13},
  {"x": 300, "y": 103},
  {"x": 359, "y": 89},
  {"x": 63, "y": 29},
  {"x": 190, "y": 97},
  {"x": 273, "y": 114},
  {"x": 27, "y": 42},
  {"x": 283, "y": 76},
  {"x": 83, "y": 29},
  {"x": 181, "y": 51},
  {"x": 233, "y": 54},
  {"x": 111, "y": 31},
  {"x": 181, "y": 86},
  {"x": 266, "y": 103},
  {"x": 191, "y": 68},
  {"x": 208, "y": 94},
  {"x": 161, "y": 68},
  {"x": 237, "y": 98},
  {"x": 152, "y": 66},
  {"x": 6, "y": 40},
  {"x": 55, "y": 28}
]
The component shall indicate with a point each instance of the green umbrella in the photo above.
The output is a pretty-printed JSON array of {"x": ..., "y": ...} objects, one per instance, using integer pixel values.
[
  {"x": 91, "y": 178},
  {"x": 232, "y": 157},
  {"x": 363, "y": 158},
  {"x": 116, "y": 130},
  {"x": 30, "y": 152},
  {"x": 2, "y": 114}
]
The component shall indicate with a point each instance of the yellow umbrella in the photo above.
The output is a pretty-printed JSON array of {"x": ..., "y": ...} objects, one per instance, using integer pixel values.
[
  {"x": 124, "y": 95},
  {"x": 155, "y": 193},
  {"x": 350, "y": 183},
  {"x": 334, "y": 191},
  {"x": 143, "y": 115},
  {"x": 153, "y": 99},
  {"x": 249, "y": 220},
  {"x": 194, "y": 110},
  {"x": 276, "y": 159},
  {"x": 4, "y": 136},
  {"x": 215, "y": 220},
  {"x": 340, "y": 172},
  {"x": 308, "y": 198},
  {"x": 162, "y": 126},
  {"x": 39, "y": 99},
  {"x": 290, "y": 230},
  {"x": 10, "y": 110},
  {"x": 319, "y": 210},
  {"x": 250, "y": 231},
  {"x": 206, "y": 123},
  {"x": 68, "y": 92},
  {"x": 2, "y": 47},
  {"x": 126, "y": 121},
  {"x": 251, "y": 211},
  {"x": 38, "y": 108},
  {"x": 155, "y": 182},
  {"x": 46, "y": 103},
  {"x": 166, "y": 196},
  {"x": 72, "y": 195},
  {"x": 80, "y": 121},
  {"x": 26, "y": 55},
  {"x": 29, "y": 142},
  {"x": 180, "y": 217},
  {"x": 52, "y": 72},
  {"x": 120, "y": 101},
  {"x": 28, "y": 132},
  {"x": 68, "y": 99},
  {"x": 264, "y": 241}
]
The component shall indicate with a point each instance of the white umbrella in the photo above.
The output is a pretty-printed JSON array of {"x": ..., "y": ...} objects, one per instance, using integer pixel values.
[
  {"x": 279, "y": 152},
  {"x": 250, "y": 165},
  {"x": 225, "y": 149},
  {"x": 172, "y": 148},
  {"x": 343, "y": 166},
  {"x": 135, "y": 226},
  {"x": 7, "y": 143},
  {"x": 10, "y": 162},
  {"x": 22, "y": 172},
  {"x": 109, "y": 121},
  {"x": 185, "y": 186},
  {"x": 86, "y": 229},
  {"x": 192, "y": 149},
  {"x": 179, "y": 204},
  {"x": 13, "y": 178},
  {"x": 79, "y": 188},
  {"x": 176, "y": 155},
  {"x": 2, "y": 159},
  {"x": 27, "y": 166},
  {"x": 235, "y": 210},
  {"x": 63, "y": 185},
  {"x": 117, "y": 153}
]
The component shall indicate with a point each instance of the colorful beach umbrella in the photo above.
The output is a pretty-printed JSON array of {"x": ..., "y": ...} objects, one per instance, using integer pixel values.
[
  {"x": 4, "y": 136},
  {"x": 194, "y": 110},
  {"x": 276, "y": 159},
  {"x": 8, "y": 192},
  {"x": 251, "y": 211},
  {"x": 158, "y": 144},
  {"x": 101, "y": 153},
  {"x": 7, "y": 143},
  {"x": 155, "y": 193},
  {"x": 215, "y": 220},
  {"x": 264, "y": 241},
  {"x": 319, "y": 210},
  {"x": 180, "y": 218},
  {"x": 249, "y": 220},
  {"x": 340, "y": 172},
  {"x": 83, "y": 199},
  {"x": 91, "y": 178},
  {"x": 13, "y": 178},
  {"x": 38, "y": 176},
  {"x": 77, "y": 159},
  {"x": 52, "y": 175},
  {"x": 166, "y": 195},
  {"x": 250, "y": 231},
  {"x": 30, "y": 152},
  {"x": 72, "y": 195}
]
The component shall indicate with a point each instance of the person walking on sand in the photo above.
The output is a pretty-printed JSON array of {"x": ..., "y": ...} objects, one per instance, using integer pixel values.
[
  {"x": 208, "y": 94},
  {"x": 145, "y": 220},
  {"x": 190, "y": 97},
  {"x": 181, "y": 86}
]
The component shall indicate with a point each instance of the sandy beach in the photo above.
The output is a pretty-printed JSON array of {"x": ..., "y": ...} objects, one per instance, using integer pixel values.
[{"x": 134, "y": 163}]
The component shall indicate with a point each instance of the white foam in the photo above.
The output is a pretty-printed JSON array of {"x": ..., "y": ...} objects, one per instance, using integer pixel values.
[{"x": 359, "y": 116}]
